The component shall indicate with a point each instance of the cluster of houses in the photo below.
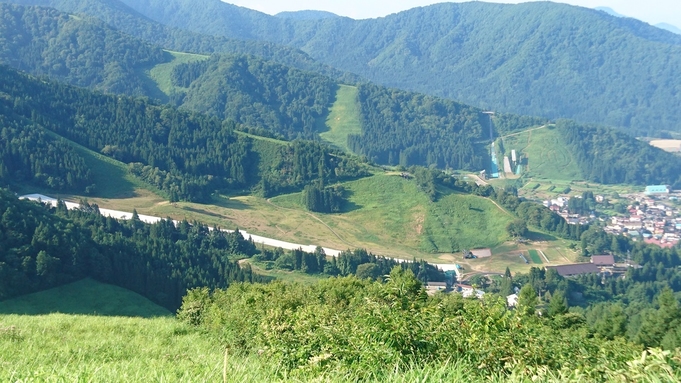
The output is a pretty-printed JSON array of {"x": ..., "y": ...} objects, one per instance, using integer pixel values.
[
  {"x": 465, "y": 290},
  {"x": 649, "y": 220},
  {"x": 600, "y": 264},
  {"x": 559, "y": 206}
]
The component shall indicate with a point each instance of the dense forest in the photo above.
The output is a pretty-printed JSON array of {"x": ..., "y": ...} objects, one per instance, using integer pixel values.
[
  {"x": 187, "y": 155},
  {"x": 403, "y": 128},
  {"x": 398, "y": 127},
  {"x": 29, "y": 155},
  {"x": 256, "y": 93},
  {"x": 82, "y": 52},
  {"x": 610, "y": 157},
  {"x": 125, "y": 19},
  {"x": 546, "y": 59},
  {"x": 45, "y": 247}
]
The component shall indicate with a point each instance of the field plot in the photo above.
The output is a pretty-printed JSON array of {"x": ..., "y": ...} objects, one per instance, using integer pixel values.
[
  {"x": 547, "y": 156},
  {"x": 534, "y": 256},
  {"x": 498, "y": 264}
]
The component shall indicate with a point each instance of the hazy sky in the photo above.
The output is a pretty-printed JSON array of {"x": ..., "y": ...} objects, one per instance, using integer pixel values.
[{"x": 650, "y": 11}]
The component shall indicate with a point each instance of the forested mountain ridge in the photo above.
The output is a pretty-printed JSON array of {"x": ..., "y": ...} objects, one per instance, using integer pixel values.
[
  {"x": 125, "y": 19},
  {"x": 397, "y": 127},
  {"x": 82, "y": 52},
  {"x": 187, "y": 155},
  {"x": 546, "y": 59},
  {"x": 257, "y": 93}
]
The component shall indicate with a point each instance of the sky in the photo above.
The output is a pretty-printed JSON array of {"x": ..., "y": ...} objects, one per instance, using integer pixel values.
[{"x": 650, "y": 11}]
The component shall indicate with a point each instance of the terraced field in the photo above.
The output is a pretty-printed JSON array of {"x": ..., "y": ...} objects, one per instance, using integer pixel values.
[{"x": 534, "y": 256}]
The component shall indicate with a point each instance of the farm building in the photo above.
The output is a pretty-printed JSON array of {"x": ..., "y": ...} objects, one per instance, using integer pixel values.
[
  {"x": 603, "y": 260},
  {"x": 433, "y": 287},
  {"x": 657, "y": 189},
  {"x": 575, "y": 269}
]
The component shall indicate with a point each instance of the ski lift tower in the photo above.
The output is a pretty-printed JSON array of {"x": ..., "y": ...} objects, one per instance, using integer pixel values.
[{"x": 491, "y": 130}]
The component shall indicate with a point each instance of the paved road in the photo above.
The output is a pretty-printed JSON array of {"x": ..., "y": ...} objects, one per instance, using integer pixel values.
[{"x": 256, "y": 238}]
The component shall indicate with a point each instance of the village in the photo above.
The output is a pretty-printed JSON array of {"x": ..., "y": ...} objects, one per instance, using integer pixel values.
[{"x": 651, "y": 216}]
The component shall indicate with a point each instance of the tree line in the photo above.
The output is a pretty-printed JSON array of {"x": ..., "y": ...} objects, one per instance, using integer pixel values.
[
  {"x": 357, "y": 262},
  {"x": 46, "y": 246},
  {"x": 30, "y": 155}
]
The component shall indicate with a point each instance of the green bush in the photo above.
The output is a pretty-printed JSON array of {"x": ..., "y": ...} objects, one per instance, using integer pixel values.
[{"x": 370, "y": 329}]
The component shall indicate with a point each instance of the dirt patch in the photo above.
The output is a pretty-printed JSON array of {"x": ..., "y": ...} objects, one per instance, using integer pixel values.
[
  {"x": 482, "y": 253},
  {"x": 667, "y": 145},
  {"x": 419, "y": 219}
]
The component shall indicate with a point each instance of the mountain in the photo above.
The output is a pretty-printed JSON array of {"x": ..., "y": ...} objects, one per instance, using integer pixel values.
[
  {"x": 541, "y": 58},
  {"x": 393, "y": 127},
  {"x": 187, "y": 156},
  {"x": 257, "y": 93},
  {"x": 125, "y": 19},
  {"x": 609, "y": 11},
  {"x": 306, "y": 15},
  {"x": 82, "y": 52},
  {"x": 669, "y": 27}
]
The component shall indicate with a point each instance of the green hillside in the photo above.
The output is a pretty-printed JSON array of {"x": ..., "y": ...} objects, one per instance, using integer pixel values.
[
  {"x": 161, "y": 74},
  {"x": 343, "y": 119},
  {"x": 567, "y": 151},
  {"x": 388, "y": 212},
  {"x": 546, "y": 154},
  {"x": 127, "y": 20},
  {"x": 456, "y": 222},
  {"x": 257, "y": 93},
  {"x": 111, "y": 177},
  {"x": 85, "y": 297},
  {"x": 186, "y": 155}
]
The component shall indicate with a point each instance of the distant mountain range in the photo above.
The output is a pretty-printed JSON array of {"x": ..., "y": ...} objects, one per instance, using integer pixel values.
[
  {"x": 669, "y": 27},
  {"x": 547, "y": 59},
  {"x": 394, "y": 127},
  {"x": 609, "y": 11},
  {"x": 665, "y": 26}
]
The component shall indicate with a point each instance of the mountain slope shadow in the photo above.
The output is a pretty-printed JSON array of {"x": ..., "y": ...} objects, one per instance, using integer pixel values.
[{"x": 84, "y": 297}]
